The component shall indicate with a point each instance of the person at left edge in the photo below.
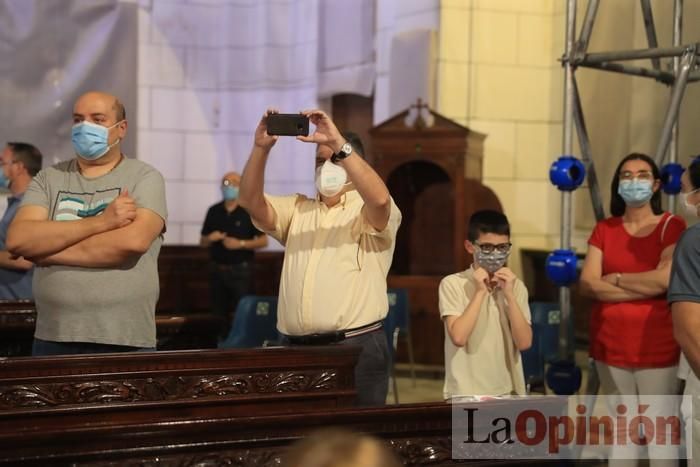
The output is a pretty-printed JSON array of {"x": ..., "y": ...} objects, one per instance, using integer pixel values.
[
  {"x": 93, "y": 225},
  {"x": 20, "y": 162}
]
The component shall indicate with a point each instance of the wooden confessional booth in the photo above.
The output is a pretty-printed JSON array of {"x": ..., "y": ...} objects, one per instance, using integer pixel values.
[{"x": 433, "y": 169}]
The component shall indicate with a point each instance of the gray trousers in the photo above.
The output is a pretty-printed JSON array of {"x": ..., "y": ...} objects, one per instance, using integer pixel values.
[{"x": 372, "y": 370}]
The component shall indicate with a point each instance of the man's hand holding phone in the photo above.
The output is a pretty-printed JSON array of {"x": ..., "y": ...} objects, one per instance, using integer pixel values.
[
  {"x": 262, "y": 138},
  {"x": 275, "y": 124},
  {"x": 326, "y": 132}
]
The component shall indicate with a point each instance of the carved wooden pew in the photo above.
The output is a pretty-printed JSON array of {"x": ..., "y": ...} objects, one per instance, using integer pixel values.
[
  {"x": 46, "y": 393},
  {"x": 184, "y": 277},
  {"x": 420, "y": 434},
  {"x": 188, "y": 331},
  {"x": 174, "y": 332},
  {"x": 17, "y": 320}
]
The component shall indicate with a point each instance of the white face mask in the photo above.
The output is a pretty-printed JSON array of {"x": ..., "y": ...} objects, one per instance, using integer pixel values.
[
  {"x": 690, "y": 209},
  {"x": 330, "y": 179}
]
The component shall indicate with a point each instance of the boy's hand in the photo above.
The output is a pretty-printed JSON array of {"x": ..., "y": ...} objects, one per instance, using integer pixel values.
[
  {"x": 505, "y": 279},
  {"x": 481, "y": 278}
]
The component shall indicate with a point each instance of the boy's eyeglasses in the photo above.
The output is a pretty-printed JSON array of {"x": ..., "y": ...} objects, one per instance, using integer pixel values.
[
  {"x": 227, "y": 183},
  {"x": 489, "y": 248},
  {"x": 641, "y": 175}
]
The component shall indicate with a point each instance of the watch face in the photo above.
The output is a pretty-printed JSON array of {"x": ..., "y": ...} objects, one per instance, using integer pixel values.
[{"x": 346, "y": 148}]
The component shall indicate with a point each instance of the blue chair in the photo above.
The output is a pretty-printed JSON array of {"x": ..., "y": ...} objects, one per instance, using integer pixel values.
[
  {"x": 254, "y": 324},
  {"x": 397, "y": 322},
  {"x": 546, "y": 318}
]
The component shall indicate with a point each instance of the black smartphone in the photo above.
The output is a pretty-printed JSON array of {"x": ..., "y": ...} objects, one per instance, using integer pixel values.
[{"x": 287, "y": 125}]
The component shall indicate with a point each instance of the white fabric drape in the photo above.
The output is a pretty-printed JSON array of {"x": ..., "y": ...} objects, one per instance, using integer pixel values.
[
  {"x": 50, "y": 53},
  {"x": 346, "y": 47},
  {"x": 195, "y": 77}
]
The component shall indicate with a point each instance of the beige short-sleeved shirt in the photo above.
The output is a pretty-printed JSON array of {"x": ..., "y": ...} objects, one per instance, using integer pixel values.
[
  {"x": 489, "y": 364},
  {"x": 335, "y": 264}
]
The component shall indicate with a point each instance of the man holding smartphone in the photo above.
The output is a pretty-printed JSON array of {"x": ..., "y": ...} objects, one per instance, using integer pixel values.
[{"x": 338, "y": 249}]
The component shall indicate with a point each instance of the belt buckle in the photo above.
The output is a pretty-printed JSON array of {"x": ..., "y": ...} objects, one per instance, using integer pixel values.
[
  {"x": 327, "y": 337},
  {"x": 312, "y": 339},
  {"x": 319, "y": 338}
]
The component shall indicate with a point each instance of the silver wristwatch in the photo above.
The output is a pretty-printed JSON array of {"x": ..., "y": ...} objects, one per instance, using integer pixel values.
[{"x": 345, "y": 151}]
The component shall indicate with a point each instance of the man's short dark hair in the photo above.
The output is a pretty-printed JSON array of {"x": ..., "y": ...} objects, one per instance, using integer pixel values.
[
  {"x": 119, "y": 110},
  {"x": 28, "y": 155},
  {"x": 355, "y": 141},
  {"x": 485, "y": 222},
  {"x": 694, "y": 172}
]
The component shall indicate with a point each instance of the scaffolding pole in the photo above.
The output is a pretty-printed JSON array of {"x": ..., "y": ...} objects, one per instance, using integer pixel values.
[
  {"x": 635, "y": 54},
  {"x": 586, "y": 30},
  {"x": 660, "y": 76},
  {"x": 568, "y": 148},
  {"x": 677, "y": 35},
  {"x": 586, "y": 155},
  {"x": 651, "y": 31},
  {"x": 687, "y": 62}
]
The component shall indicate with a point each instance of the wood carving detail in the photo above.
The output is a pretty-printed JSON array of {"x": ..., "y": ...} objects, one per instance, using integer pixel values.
[
  {"x": 164, "y": 388},
  {"x": 234, "y": 458},
  {"x": 423, "y": 451}
]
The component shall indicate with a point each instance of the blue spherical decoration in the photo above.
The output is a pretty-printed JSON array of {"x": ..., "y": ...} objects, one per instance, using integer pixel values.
[
  {"x": 567, "y": 173},
  {"x": 671, "y": 178},
  {"x": 561, "y": 267},
  {"x": 563, "y": 377}
]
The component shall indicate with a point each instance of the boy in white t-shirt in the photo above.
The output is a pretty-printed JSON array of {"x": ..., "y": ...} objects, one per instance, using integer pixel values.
[{"x": 486, "y": 315}]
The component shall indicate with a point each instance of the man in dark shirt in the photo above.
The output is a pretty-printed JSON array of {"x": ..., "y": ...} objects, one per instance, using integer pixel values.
[{"x": 232, "y": 240}]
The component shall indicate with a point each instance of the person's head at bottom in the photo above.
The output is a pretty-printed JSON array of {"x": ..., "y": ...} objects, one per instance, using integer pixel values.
[{"x": 339, "y": 448}]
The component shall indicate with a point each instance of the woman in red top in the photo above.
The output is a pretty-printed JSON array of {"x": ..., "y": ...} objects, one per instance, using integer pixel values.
[{"x": 627, "y": 271}]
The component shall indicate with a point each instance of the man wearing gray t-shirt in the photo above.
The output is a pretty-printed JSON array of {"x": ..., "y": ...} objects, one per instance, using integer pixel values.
[{"x": 93, "y": 225}]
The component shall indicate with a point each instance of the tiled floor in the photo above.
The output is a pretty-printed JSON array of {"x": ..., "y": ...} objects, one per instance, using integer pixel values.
[
  {"x": 427, "y": 386},
  {"x": 421, "y": 389}
]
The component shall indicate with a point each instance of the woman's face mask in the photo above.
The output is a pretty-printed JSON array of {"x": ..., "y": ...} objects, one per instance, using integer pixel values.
[
  {"x": 635, "y": 192},
  {"x": 330, "y": 179}
]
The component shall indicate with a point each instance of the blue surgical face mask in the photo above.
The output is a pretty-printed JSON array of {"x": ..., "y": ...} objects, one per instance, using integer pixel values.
[
  {"x": 90, "y": 141},
  {"x": 635, "y": 192},
  {"x": 4, "y": 181},
  {"x": 230, "y": 192}
]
